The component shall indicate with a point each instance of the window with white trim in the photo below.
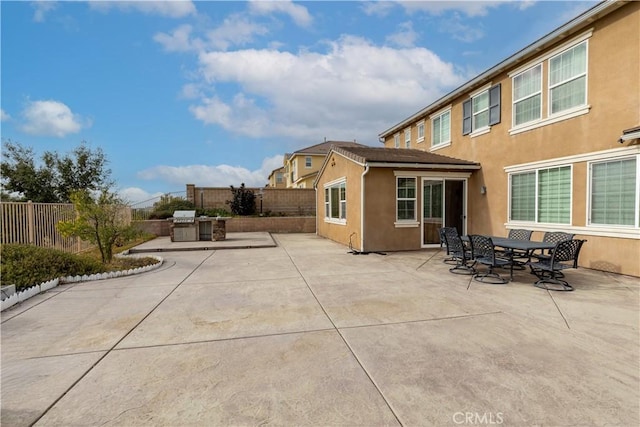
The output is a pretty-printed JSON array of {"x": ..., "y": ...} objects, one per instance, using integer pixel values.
[
  {"x": 568, "y": 79},
  {"x": 527, "y": 96},
  {"x": 613, "y": 192},
  {"x": 541, "y": 196},
  {"x": 482, "y": 110},
  {"x": 441, "y": 129},
  {"x": 307, "y": 162},
  {"x": 335, "y": 201},
  {"x": 396, "y": 140},
  {"x": 406, "y": 199},
  {"x": 421, "y": 131},
  {"x": 565, "y": 88},
  {"x": 407, "y": 138}
]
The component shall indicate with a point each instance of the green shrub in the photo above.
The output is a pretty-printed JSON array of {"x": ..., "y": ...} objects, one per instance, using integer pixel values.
[
  {"x": 165, "y": 208},
  {"x": 27, "y": 265}
]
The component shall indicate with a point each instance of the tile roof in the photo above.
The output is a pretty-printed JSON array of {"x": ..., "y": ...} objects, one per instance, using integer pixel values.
[
  {"x": 324, "y": 147},
  {"x": 365, "y": 154}
]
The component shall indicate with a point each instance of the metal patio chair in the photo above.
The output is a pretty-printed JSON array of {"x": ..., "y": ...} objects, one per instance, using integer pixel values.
[
  {"x": 551, "y": 237},
  {"x": 484, "y": 252},
  {"x": 460, "y": 252},
  {"x": 442, "y": 232},
  {"x": 519, "y": 257},
  {"x": 549, "y": 271}
]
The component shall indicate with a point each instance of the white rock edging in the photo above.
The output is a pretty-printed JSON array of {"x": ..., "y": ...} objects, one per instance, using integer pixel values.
[{"x": 45, "y": 286}]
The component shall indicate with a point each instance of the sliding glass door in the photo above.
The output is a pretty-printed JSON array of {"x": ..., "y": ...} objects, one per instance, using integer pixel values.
[{"x": 443, "y": 205}]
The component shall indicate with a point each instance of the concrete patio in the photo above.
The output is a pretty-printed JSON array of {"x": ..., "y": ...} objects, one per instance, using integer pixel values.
[{"x": 307, "y": 334}]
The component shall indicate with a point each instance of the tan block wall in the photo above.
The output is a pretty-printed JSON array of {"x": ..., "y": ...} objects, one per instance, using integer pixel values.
[
  {"x": 294, "y": 201},
  {"x": 288, "y": 224},
  {"x": 283, "y": 224}
]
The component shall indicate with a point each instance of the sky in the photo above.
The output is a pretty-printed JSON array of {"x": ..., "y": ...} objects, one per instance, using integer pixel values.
[{"x": 214, "y": 93}]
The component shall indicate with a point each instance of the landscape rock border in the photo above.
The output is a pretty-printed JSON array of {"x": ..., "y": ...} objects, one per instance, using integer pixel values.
[{"x": 45, "y": 286}]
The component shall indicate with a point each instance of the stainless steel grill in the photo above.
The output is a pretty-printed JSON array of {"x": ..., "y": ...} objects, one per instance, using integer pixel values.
[{"x": 184, "y": 217}]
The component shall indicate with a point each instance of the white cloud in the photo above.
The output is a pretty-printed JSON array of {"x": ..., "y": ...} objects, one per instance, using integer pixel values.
[
  {"x": 51, "y": 118},
  {"x": 235, "y": 30},
  {"x": 4, "y": 116},
  {"x": 341, "y": 94},
  {"x": 406, "y": 36},
  {"x": 469, "y": 8},
  {"x": 41, "y": 9},
  {"x": 378, "y": 8},
  {"x": 172, "y": 9},
  {"x": 298, "y": 13},
  {"x": 179, "y": 40},
  {"x": 213, "y": 176},
  {"x": 138, "y": 196},
  {"x": 466, "y": 33}
]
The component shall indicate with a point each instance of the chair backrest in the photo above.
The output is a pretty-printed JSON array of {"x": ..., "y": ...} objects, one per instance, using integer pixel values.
[
  {"x": 567, "y": 250},
  {"x": 556, "y": 236},
  {"x": 454, "y": 242},
  {"x": 482, "y": 247},
  {"x": 520, "y": 234}
]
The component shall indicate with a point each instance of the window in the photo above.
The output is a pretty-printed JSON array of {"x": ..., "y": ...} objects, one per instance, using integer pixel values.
[
  {"x": 542, "y": 196},
  {"x": 481, "y": 111},
  {"x": 396, "y": 140},
  {"x": 420, "y": 131},
  {"x": 527, "y": 96},
  {"x": 307, "y": 162},
  {"x": 614, "y": 193},
  {"x": 568, "y": 79},
  {"x": 441, "y": 129},
  {"x": 406, "y": 199},
  {"x": 335, "y": 201},
  {"x": 565, "y": 87},
  {"x": 278, "y": 177},
  {"x": 407, "y": 138}
]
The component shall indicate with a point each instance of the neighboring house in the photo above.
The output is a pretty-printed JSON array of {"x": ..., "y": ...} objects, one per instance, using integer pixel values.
[
  {"x": 546, "y": 140},
  {"x": 302, "y": 166},
  {"x": 277, "y": 178}
]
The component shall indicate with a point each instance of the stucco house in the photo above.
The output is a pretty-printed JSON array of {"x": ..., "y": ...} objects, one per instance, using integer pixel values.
[
  {"x": 545, "y": 140},
  {"x": 277, "y": 179},
  {"x": 301, "y": 166}
]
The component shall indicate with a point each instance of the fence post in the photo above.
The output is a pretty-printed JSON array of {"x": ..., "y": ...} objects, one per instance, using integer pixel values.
[{"x": 31, "y": 223}]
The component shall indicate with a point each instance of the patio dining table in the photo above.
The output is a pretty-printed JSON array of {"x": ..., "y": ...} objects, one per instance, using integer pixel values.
[{"x": 528, "y": 246}]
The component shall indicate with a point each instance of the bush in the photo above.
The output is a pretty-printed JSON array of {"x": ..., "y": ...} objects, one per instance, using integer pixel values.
[
  {"x": 165, "y": 209},
  {"x": 27, "y": 265},
  {"x": 243, "y": 202}
]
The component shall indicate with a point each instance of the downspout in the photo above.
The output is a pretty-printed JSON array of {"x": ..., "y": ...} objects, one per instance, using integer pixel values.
[{"x": 366, "y": 171}]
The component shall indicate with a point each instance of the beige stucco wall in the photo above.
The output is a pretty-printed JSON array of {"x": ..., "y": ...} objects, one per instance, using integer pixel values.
[
  {"x": 339, "y": 167},
  {"x": 614, "y": 99}
]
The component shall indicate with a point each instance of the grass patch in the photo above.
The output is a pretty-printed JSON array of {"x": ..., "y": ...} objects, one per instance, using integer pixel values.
[{"x": 27, "y": 265}]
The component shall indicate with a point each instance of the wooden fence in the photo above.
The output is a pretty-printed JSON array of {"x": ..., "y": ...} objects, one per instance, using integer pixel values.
[{"x": 35, "y": 224}]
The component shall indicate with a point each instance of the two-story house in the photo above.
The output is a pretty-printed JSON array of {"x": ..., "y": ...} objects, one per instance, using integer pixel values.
[
  {"x": 277, "y": 179},
  {"x": 545, "y": 140},
  {"x": 301, "y": 166}
]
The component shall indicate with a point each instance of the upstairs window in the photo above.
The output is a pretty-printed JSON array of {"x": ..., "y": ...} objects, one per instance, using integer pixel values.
[
  {"x": 481, "y": 111},
  {"x": 441, "y": 129},
  {"x": 396, "y": 140},
  {"x": 568, "y": 79},
  {"x": 421, "y": 131},
  {"x": 527, "y": 96},
  {"x": 307, "y": 162},
  {"x": 407, "y": 138},
  {"x": 279, "y": 178}
]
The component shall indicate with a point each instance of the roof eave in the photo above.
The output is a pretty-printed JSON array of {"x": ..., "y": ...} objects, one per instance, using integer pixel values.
[{"x": 422, "y": 165}]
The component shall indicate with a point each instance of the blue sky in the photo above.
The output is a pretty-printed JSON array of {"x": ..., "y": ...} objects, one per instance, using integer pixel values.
[{"x": 214, "y": 93}]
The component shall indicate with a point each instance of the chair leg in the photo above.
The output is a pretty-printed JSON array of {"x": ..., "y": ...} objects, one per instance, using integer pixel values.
[
  {"x": 490, "y": 277},
  {"x": 463, "y": 268},
  {"x": 553, "y": 284}
]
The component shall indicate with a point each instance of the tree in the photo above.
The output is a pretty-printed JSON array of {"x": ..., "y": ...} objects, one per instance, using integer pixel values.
[
  {"x": 56, "y": 177},
  {"x": 243, "y": 202},
  {"x": 101, "y": 220}
]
